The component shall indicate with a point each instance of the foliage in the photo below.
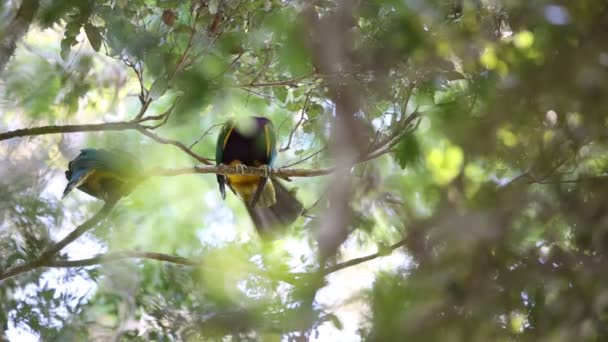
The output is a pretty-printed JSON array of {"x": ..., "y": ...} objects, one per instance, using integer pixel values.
[{"x": 461, "y": 143}]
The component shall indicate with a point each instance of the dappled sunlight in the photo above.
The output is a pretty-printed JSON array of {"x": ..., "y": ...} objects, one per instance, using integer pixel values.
[{"x": 421, "y": 171}]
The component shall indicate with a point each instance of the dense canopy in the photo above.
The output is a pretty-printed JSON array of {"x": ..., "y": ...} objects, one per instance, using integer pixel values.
[{"x": 450, "y": 157}]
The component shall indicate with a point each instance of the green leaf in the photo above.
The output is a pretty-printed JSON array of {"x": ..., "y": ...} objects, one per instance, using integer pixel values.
[
  {"x": 407, "y": 151},
  {"x": 280, "y": 93},
  {"x": 232, "y": 42},
  {"x": 93, "y": 35},
  {"x": 158, "y": 88},
  {"x": 72, "y": 28},
  {"x": 314, "y": 110},
  {"x": 335, "y": 321},
  {"x": 66, "y": 46}
]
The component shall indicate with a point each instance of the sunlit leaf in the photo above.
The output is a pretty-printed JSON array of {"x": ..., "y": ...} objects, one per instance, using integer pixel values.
[
  {"x": 407, "y": 151},
  {"x": 158, "y": 88}
]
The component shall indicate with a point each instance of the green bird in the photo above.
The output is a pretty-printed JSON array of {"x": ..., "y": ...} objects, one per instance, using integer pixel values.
[
  {"x": 252, "y": 142},
  {"x": 104, "y": 174}
]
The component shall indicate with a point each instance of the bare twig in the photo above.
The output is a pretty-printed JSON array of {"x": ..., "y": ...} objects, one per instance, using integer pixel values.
[
  {"x": 117, "y": 256},
  {"x": 110, "y": 126},
  {"x": 229, "y": 170},
  {"x": 279, "y": 172},
  {"x": 124, "y": 255},
  {"x": 164, "y": 116},
  {"x": 144, "y": 107},
  {"x": 266, "y": 63},
  {"x": 357, "y": 261},
  {"x": 292, "y": 81},
  {"x": 53, "y": 129},
  {"x": 295, "y": 128},
  {"x": 175, "y": 143},
  {"x": 307, "y": 158},
  {"x": 203, "y": 135}
]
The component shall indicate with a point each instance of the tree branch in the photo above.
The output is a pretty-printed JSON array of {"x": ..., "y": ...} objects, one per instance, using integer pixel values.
[
  {"x": 123, "y": 255},
  {"x": 282, "y": 172},
  {"x": 292, "y": 81},
  {"x": 175, "y": 143},
  {"x": 109, "y": 126},
  {"x": 15, "y": 30},
  {"x": 53, "y": 129},
  {"x": 295, "y": 128},
  {"x": 357, "y": 261},
  {"x": 231, "y": 170},
  {"x": 117, "y": 256},
  {"x": 50, "y": 252}
]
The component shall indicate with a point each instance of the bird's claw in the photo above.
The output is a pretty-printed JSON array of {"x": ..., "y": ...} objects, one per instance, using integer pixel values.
[
  {"x": 240, "y": 168},
  {"x": 266, "y": 169}
]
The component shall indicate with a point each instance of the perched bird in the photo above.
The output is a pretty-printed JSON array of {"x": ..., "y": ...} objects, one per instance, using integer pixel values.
[
  {"x": 252, "y": 142},
  {"x": 105, "y": 174}
]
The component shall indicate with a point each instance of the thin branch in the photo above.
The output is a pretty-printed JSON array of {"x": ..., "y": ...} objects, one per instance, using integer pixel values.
[
  {"x": 307, "y": 158},
  {"x": 291, "y": 278},
  {"x": 571, "y": 181},
  {"x": 292, "y": 81},
  {"x": 50, "y": 252},
  {"x": 110, "y": 126},
  {"x": 53, "y": 129},
  {"x": 123, "y": 255},
  {"x": 204, "y": 135},
  {"x": 266, "y": 63},
  {"x": 282, "y": 172},
  {"x": 175, "y": 143},
  {"x": 295, "y": 128},
  {"x": 144, "y": 107},
  {"x": 357, "y": 261},
  {"x": 231, "y": 170},
  {"x": 164, "y": 116},
  {"x": 117, "y": 256}
]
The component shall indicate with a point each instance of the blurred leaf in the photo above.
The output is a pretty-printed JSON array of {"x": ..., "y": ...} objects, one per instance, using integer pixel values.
[
  {"x": 407, "y": 151},
  {"x": 314, "y": 110},
  {"x": 444, "y": 163},
  {"x": 280, "y": 93},
  {"x": 93, "y": 35},
  {"x": 335, "y": 321},
  {"x": 66, "y": 47},
  {"x": 159, "y": 87}
]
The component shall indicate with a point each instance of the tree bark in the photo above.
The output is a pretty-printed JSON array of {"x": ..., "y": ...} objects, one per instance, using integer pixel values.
[{"x": 13, "y": 31}]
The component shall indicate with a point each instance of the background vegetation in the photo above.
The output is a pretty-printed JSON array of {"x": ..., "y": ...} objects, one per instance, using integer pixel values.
[{"x": 451, "y": 156}]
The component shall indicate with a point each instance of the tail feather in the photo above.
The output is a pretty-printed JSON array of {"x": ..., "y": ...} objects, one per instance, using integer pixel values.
[
  {"x": 76, "y": 179},
  {"x": 270, "y": 220}
]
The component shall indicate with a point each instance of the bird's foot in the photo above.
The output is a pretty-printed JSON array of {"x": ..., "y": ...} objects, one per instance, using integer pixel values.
[
  {"x": 240, "y": 168},
  {"x": 266, "y": 169}
]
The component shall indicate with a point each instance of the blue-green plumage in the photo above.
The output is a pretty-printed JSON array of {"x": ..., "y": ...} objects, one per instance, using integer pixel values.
[
  {"x": 252, "y": 142},
  {"x": 104, "y": 174}
]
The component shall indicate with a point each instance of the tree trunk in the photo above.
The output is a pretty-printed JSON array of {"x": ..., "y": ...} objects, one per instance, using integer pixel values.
[{"x": 15, "y": 30}]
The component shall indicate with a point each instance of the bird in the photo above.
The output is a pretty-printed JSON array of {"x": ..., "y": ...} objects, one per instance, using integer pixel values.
[
  {"x": 251, "y": 142},
  {"x": 104, "y": 174}
]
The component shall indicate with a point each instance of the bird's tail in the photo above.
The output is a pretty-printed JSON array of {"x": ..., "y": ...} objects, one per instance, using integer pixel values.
[
  {"x": 269, "y": 220},
  {"x": 76, "y": 179}
]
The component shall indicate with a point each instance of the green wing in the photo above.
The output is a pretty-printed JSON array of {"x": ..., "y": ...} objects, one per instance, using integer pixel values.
[
  {"x": 269, "y": 137},
  {"x": 272, "y": 135},
  {"x": 120, "y": 164},
  {"x": 111, "y": 171},
  {"x": 221, "y": 140},
  {"x": 219, "y": 153}
]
